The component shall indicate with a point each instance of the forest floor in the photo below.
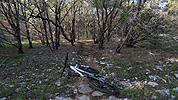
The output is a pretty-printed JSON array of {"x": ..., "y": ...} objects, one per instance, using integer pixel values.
[{"x": 139, "y": 73}]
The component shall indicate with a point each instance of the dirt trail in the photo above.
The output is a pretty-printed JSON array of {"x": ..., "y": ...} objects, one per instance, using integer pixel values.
[{"x": 88, "y": 55}]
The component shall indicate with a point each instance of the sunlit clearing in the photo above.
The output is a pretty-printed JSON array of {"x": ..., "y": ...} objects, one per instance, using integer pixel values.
[
  {"x": 172, "y": 59},
  {"x": 85, "y": 40}
]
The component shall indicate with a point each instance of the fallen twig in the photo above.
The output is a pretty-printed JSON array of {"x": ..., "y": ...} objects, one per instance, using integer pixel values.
[
  {"x": 4, "y": 61},
  {"x": 176, "y": 38}
]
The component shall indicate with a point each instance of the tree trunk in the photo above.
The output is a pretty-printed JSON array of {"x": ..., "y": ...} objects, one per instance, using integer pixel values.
[
  {"x": 26, "y": 24},
  {"x": 49, "y": 25},
  {"x": 17, "y": 35},
  {"x": 46, "y": 34},
  {"x": 19, "y": 43},
  {"x": 1, "y": 40},
  {"x": 101, "y": 40},
  {"x": 73, "y": 29},
  {"x": 28, "y": 37},
  {"x": 59, "y": 31},
  {"x": 56, "y": 27},
  {"x": 17, "y": 29},
  {"x": 122, "y": 43}
]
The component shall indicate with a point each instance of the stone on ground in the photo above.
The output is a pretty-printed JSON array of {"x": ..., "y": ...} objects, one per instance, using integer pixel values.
[
  {"x": 164, "y": 92},
  {"x": 97, "y": 93},
  {"x": 125, "y": 83},
  {"x": 113, "y": 98},
  {"x": 85, "y": 89},
  {"x": 176, "y": 89},
  {"x": 84, "y": 97},
  {"x": 152, "y": 84},
  {"x": 62, "y": 98}
]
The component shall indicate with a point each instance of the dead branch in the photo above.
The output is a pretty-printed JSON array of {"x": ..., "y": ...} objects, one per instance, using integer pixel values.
[
  {"x": 4, "y": 61},
  {"x": 176, "y": 38}
]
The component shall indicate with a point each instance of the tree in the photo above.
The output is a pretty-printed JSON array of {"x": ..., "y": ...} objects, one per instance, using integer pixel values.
[
  {"x": 131, "y": 20},
  {"x": 11, "y": 11},
  {"x": 106, "y": 12},
  {"x": 57, "y": 22},
  {"x": 1, "y": 37},
  {"x": 26, "y": 19},
  {"x": 170, "y": 13},
  {"x": 141, "y": 22}
]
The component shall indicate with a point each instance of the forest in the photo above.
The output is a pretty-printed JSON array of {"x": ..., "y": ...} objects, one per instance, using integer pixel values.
[{"x": 133, "y": 43}]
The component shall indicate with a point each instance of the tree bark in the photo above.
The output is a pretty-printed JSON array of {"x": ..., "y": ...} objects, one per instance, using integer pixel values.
[
  {"x": 120, "y": 46},
  {"x": 26, "y": 25},
  {"x": 49, "y": 26},
  {"x": 17, "y": 29},
  {"x": 57, "y": 36}
]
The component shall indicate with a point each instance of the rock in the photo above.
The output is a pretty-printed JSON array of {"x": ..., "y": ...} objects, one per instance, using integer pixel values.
[
  {"x": 20, "y": 76},
  {"x": 84, "y": 97},
  {"x": 125, "y": 83},
  {"x": 152, "y": 77},
  {"x": 109, "y": 66},
  {"x": 145, "y": 82},
  {"x": 152, "y": 84},
  {"x": 68, "y": 85},
  {"x": 56, "y": 93},
  {"x": 112, "y": 74},
  {"x": 58, "y": 83},
  {"x": 137, "y": 83},
  {"x": 14, "y": 65},
  {"x": 88, "y": 60},
  {"x": 85, "y": 89},
  {"x": 83, "y": 85},
  {"x": 129, "y": 68},
  {"x": 161, "y": 62},
  {"x": 113, "y": 98},
  {"x": 46, "y": 80},
  {"x": 176, "y": 75},
  {"x": 158, "y": 67},
  {"x": 176, "y": 89},
  {"x": 153, "y": 97},
  {"x": 164, "y": 92},
  {"x": 173, "y": 97},
  {"x": 105, "y": 77},
  {"x": 116, "y": 80},
  {"x": 40, "y": 53},
  {"x": 75, "y": 91},
  {"x": 147, "y": 70},
  {"x": 40, "y": 82},
  {"x": 11, "y": 85},
  {"x": 97, "y": 93},
  {"x": 139, "y": 61},
  {"x": 136, "y": 78},
  {"x": 103, "y": 58},
  {"x": 102, "y": 63},
  {"x": 62, "y": 98},
  {"x": 22, "y": 83},
  {"x": 48, "y": 70},
  {"x": 4, "y": 98},
  {"x": 128, "y": 80},
  {"x": 118, "y": 67}
]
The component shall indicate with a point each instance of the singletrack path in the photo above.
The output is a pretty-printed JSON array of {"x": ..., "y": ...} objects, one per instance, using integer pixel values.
[{"x": 87, "y": 54}]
